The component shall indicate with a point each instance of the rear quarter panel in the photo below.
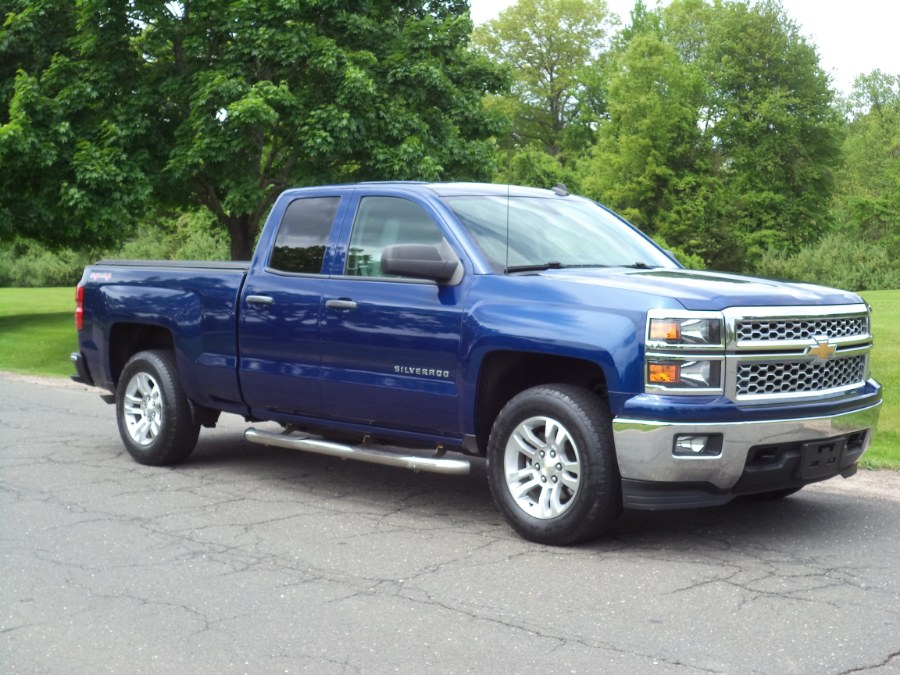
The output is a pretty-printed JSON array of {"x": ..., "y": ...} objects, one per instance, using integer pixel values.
[{"x": 195, "y": 306}]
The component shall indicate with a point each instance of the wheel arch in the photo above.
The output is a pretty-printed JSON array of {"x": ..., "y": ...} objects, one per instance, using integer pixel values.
[
  {"x": 504, "y": 374},
  {"x": 128, "y": 339}
]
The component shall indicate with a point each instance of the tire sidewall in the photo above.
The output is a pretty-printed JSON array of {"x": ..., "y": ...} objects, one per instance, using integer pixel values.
[{"x": 597, "y": 503}]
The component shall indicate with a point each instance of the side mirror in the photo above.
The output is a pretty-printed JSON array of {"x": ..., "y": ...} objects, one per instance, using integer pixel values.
[{"x": 419, "y": 261}]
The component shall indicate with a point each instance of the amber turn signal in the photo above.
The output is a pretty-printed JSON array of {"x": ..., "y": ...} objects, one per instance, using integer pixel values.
[
  {"x": 665, "y": 329},
  {"x": 663, "y": 373}
]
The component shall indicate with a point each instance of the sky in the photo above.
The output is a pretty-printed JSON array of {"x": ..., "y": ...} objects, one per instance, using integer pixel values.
[{"x": 852, "y": 38}]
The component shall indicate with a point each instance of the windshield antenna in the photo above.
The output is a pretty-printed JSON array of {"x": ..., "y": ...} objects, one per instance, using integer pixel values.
[{"x": 506, "y": 267}]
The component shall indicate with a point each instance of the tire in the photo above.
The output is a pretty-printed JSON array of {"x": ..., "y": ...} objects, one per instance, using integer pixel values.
[
  {"x": 575, "y": 496},
  {"x": 155, "y": 419}
]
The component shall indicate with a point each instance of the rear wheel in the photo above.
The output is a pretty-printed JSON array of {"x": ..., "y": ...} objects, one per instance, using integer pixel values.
[
  {"x": 552, "y": 467},
  {"x": 155, "y": 419}
]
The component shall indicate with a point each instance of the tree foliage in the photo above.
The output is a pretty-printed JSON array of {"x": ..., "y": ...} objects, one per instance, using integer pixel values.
[
  {"x": 549, "y": 48},
  {"x": 224, "y": 104},
  {"x": 835, "y": 260},
  {"x": 722, "y": 136},
  {"x": 651, "y": 161},
  {"x": 535, "y": 167},
  {"x": 708, "y": 123},
  {"x": 868, "y": 195},
  {"x": 73, "y": 142},
  {"x": 772, "y": 116}
]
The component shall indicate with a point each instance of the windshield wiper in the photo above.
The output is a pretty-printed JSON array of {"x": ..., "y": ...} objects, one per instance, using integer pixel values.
[
  {"x": 639, "y": 265},
  {"x": 551, "y": 265}
]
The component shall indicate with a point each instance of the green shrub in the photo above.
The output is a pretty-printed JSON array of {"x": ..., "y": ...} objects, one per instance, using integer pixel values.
[
  {"x": 199, "y": 237},
  {"x": 188, "y": 236},
  {"x": 838, "y": 261},
  {"x": 26, "y": 264},
  {"x": 690, "y": 260}
]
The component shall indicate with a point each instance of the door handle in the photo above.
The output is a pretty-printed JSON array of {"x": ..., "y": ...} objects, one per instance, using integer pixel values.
[
  {"x": 260, "y": 300},
  {"x": 342, "y": 305}
]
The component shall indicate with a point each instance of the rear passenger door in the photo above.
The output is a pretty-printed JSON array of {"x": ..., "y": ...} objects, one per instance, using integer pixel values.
[
  {"x": 280, "y": 305},
  {"x": 390, "y": 345}
]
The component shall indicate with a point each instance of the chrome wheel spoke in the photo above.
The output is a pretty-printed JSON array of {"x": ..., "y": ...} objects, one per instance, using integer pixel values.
[
  {"x": 552, "y": 504},
  {"x": 517, "y": 477},
  {"x": 529, "y": 444},
  {"x": 141, "y": 430},
  {"x": 132, "y": 409},
  {"x": 558, "y": 433},
  {"x": 546, "y": 502},
  {"x": 525, "y": 488},
  {"x": 570, "y": 481}
]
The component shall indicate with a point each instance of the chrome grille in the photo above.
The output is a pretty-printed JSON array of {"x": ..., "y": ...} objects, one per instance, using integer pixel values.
[
  {"x": 794, "y": 377},
  {"x": 799, "y": 329}
]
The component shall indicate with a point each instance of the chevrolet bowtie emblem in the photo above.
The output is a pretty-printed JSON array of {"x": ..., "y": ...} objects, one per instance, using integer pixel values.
[{"x": 822, "y": 351}]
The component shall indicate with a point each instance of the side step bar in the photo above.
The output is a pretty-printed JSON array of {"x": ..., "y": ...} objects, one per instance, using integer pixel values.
[{"x": 363, "y": 453}]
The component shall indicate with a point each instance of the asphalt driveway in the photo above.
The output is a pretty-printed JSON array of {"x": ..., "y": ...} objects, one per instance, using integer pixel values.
[{"x": 261, "y": 560}]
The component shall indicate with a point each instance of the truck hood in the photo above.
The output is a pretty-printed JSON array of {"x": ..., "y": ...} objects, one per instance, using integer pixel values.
[{"x": 706, "y": 290}]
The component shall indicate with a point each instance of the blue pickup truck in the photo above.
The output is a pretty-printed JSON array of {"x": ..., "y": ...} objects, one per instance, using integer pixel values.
[{"x": 420, "y": 324}]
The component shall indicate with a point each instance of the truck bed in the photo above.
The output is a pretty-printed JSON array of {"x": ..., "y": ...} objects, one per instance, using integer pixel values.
[{"x": 191, "y": 304}]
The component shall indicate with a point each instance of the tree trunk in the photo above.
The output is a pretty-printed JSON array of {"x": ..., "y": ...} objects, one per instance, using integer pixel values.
[{"x": 242, "y": 230}]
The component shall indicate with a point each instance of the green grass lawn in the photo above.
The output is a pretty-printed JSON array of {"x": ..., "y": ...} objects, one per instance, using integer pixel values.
[
  {"x": 885, "y": 450},
  {"x": 37, "y": 330},
  {"x": 37, "y": 334}
]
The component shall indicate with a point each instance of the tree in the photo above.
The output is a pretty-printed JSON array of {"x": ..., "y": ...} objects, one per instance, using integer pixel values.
[
  {"x": 722, "y": 135},
  {"x": 867, "y": 206},
  {"x": 772, "y": 119},
  {"x": 225, "y": 104},
  {"x": 875, "y": 92},
  {"x": 535, "y": 167},
  {"x": 72, "y": 166},
  {"x": 651, "y": 162},
  {"x": 549, "y": 47}
]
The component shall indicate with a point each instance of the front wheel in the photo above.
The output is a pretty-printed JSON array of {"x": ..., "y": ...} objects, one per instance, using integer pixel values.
[
  {"x": 155, "y": 419},
  {"x": 552, "y": 467}
]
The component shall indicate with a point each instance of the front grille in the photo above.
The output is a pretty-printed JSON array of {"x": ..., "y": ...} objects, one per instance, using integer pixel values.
[
  {"x": 797, "y": 377},
  {"x": 799, "y": 329}
]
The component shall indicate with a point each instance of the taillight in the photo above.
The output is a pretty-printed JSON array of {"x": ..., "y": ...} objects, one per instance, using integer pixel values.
[{"x": 79, "y": 307}]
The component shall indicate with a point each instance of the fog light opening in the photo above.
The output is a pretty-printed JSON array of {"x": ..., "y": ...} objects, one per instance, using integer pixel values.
[{"x": 697, "y": 445}]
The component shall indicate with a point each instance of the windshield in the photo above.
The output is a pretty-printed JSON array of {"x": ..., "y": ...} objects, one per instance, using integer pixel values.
[{"x": 547, "y": 232}]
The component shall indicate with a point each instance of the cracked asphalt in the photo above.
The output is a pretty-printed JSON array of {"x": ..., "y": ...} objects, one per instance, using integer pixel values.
[{"x": 254, "y": 560}]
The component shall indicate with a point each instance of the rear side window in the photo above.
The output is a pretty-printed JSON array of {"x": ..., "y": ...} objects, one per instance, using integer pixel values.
[{"x": 300, "y": 244}]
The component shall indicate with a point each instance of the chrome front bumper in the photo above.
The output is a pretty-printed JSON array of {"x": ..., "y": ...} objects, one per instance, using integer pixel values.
[{"x": 644, "y": 449}]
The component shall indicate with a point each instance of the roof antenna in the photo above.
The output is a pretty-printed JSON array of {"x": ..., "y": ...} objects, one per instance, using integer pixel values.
[{"x": 561, "y": 190}]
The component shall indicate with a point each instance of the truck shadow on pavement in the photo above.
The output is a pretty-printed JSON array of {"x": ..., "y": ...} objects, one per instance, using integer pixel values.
[{"x": 808, "y": 516}]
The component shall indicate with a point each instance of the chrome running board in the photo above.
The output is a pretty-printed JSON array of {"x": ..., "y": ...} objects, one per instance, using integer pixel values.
[{"x": 363, "y": 453}]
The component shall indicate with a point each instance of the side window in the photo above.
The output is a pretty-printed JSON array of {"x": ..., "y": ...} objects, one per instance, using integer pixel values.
[
  {"x": 383, "y": 221},
  {"x": 300, "y": 244}
]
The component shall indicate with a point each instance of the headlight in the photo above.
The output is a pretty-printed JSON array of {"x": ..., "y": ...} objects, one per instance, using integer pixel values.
[
  {"x": 685, "y": 352},
  {"x": 686, "y": 331}
]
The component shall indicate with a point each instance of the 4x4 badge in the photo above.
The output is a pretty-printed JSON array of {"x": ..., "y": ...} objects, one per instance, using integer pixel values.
[{"x": 822, "y": 351}]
